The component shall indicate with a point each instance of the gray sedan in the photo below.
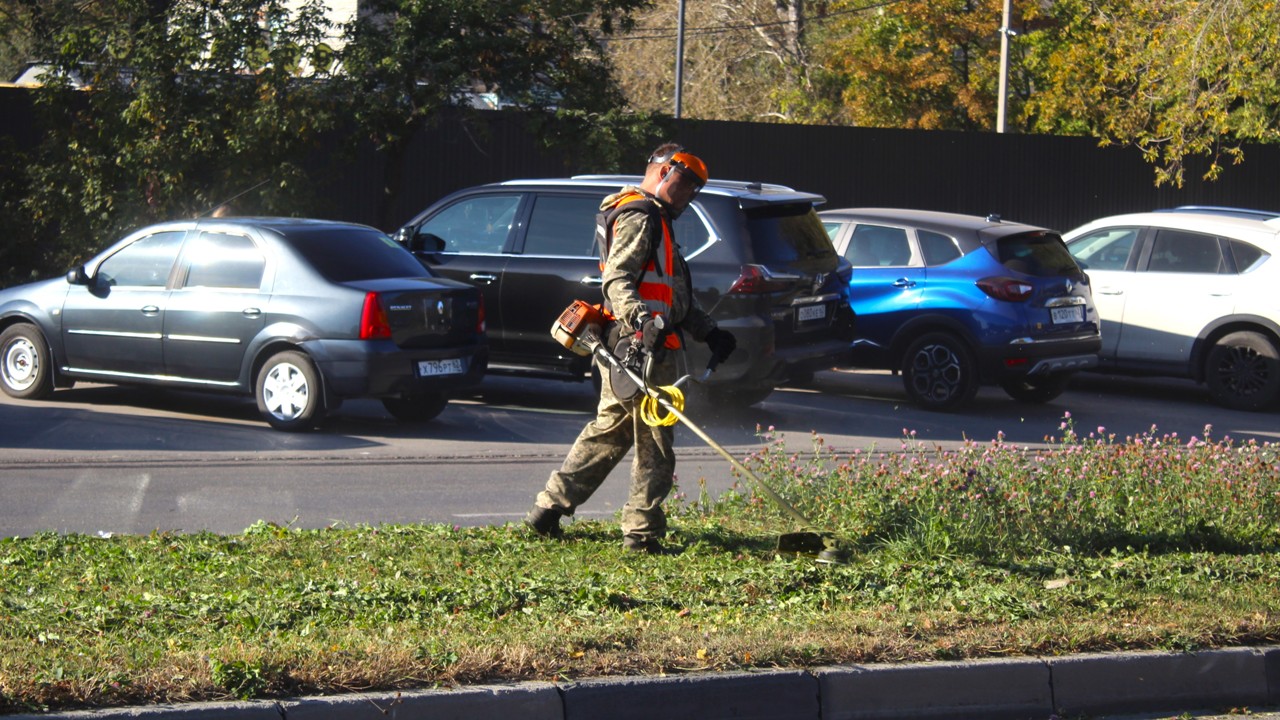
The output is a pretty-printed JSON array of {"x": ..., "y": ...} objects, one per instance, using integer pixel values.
[{"x": 299, "y": 313}]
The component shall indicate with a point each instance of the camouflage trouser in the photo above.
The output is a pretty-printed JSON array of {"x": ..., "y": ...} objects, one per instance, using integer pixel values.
[{"x": 601, "y": 446}]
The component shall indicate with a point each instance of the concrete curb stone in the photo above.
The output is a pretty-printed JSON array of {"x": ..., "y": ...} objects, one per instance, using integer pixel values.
[
  {"x": 979, "y": 689},
  {"x": 526, "y": 701},
  {"x": 995, "y": 689},
  {"x": 1142, "y": 682},
  {"x": 765, "y": 695},
  {"x": 1272, "y": 663}
]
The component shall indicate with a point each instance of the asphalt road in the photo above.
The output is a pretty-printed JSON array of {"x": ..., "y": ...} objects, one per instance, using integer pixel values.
[{"x": 104, "y": 459}]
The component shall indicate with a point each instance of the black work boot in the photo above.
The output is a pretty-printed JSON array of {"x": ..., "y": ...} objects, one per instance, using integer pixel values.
[
  {"x": 648, "y": 545},
  {"x": 544, "y": 522}
]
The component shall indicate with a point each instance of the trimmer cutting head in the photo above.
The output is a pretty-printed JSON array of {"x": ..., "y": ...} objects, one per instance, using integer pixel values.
[{"x": 823, "y": 548}]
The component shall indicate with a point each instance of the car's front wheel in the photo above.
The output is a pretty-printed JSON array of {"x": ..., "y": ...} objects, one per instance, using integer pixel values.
[
  {"x": 288, "y": 392},
  {"x": 416, "y": 408},
  {"x": 25, "y": 370},
  {"x": 1038, "y": 389},
  {"x": 939, "y": 372},
  {"x": 1243, "y": 371}
]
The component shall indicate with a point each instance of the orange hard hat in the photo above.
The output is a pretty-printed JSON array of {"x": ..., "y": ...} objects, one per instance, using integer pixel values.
[
  {"x": 675, "y": 155},
  {"x": 693, "y": 164}
]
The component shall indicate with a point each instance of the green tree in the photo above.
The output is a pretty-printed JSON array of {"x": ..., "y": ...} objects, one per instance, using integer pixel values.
[
  {"x": 926, "y": 64},
  {"x": 15, "y": 45},
  {"x": 156, "y": 109},
  {"x": 1176, "y": 79},
  {"x": 408, "y": 61},
  {"x": 742, "y": 61}
]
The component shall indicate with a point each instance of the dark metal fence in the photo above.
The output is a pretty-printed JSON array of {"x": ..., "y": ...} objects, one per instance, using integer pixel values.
[{"x": 1058, "y": 182}]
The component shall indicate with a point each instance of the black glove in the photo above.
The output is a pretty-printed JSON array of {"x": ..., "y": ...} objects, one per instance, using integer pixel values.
[
  {"x": 722, "y": 344},
  {"x": 653, "y": 333}
]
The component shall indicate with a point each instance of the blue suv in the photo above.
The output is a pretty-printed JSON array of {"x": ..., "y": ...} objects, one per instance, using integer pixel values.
[{"x": 954, "y": 301}]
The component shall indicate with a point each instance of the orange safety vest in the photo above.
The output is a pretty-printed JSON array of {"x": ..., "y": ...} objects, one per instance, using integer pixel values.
[{"x": 657, "y": 296}]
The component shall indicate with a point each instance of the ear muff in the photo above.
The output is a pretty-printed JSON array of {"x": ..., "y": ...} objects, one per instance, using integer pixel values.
[{"x": 665, "y": 157}]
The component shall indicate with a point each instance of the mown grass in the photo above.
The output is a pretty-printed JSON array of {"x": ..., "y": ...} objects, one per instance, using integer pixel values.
[{"x": 1099, "y": 543}]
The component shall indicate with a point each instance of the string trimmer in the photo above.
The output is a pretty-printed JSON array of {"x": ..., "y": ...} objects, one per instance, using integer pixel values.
[{"x": 579, "y": 328}]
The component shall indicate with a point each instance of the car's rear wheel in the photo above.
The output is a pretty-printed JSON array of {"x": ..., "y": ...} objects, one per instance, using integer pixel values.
[
  {"x": 288, "y": 392},
  {"x": 1243, "y": 371},
  {"x": 939, "y": 372},
  {"x": 25, "y": 370},
  {"x": 1038, "y": 389},
  {"x": 416, "y": 408}
]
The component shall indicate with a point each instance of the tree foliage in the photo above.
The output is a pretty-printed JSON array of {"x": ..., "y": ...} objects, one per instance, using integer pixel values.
[
  {"x": 742, "y": 60},
  {"x": 408, "y": 60},
  {"x": 925, "y": 64},
  {"x": 156, "y": 109},
  {"x": 15, "y": 44},
  {"x": 162, "y": 108},
  {"x": 1176, "y": 78}
]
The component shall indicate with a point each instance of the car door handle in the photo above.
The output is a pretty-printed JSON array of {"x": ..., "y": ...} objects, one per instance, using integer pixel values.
[
  {"x": 251, "y": 313},
  {"x": 592, "y": 281},
  {"x": 150, "y": 310},
  {"x": 904, "y": 283},
  {"x": 483, "y": 278}
]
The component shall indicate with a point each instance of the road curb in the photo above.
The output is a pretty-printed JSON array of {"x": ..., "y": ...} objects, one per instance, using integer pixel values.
[
  {"x": 1136, "y": 682},
  {"x": 989, "y": 689},
  {"x": 765, "y": 695}
]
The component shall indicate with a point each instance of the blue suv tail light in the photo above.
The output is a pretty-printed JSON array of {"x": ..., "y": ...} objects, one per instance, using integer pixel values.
[{"x": 1006, "y": 288}]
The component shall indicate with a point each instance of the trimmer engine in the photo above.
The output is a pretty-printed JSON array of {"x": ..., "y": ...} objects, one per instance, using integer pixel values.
[{"x": 581, "y": 325}]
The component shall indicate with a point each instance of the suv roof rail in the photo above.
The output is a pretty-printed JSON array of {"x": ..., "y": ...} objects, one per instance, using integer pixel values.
[
  {"x": 1246, "y": 213},
  {"x": 745, "y": 185}
]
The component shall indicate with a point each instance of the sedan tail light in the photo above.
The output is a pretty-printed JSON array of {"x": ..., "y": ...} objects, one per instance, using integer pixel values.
[
  {"x": 480, "y": 319},
  {"x": 1005, "y": 288},
  {"x": 373, "y": 319},
  {"x": 756, "y": 279}
]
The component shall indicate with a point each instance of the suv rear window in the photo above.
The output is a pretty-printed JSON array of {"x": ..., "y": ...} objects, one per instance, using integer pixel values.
[
  {"x": 787, "y": 233},
  {"x": 1040, "y": 254},
  {"x": 352, "y": 254}
]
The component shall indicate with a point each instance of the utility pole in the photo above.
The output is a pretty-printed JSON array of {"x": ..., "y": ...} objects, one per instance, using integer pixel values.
[
  {"x": 1005, "y": 32},
  {"x": 679, "y": 56}
]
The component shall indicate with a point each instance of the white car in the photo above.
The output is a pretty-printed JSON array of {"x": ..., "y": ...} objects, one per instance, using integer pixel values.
[{"x": 1188, "y": 294}]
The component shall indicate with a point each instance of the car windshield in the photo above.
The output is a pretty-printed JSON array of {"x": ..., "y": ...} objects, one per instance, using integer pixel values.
[
  {"x": 1038, "y": 253},
  {"x": 349, "y": 254},
  {"x": 787, "y": 233}
]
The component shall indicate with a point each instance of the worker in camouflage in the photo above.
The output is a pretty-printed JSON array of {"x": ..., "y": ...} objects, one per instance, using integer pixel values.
[{"x": 647, "y": 290}]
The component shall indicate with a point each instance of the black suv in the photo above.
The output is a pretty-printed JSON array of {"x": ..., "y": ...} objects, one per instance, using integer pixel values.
[{"x": 762, "y": 265}]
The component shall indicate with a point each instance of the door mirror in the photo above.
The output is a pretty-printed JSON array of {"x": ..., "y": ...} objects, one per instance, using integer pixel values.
[
  {"x": 77, "y": 276},
  {"x": 403, "y": 236},
  {"x": 428, "y": 242}
]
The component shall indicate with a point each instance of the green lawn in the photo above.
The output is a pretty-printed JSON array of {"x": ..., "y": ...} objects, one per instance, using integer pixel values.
[{"x": 1098, "y": 543}]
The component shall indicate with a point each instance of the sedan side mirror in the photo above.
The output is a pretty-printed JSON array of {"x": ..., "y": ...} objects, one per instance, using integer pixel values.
[
  {"x": 77, "y": 276},
  {"x": 403, "y": 236}
]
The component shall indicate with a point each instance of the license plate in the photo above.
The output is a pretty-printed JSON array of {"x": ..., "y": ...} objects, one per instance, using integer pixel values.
[
  {"x": 451, "y": 366},
  {"x": 1070, "y": 314},
  {"x": 806, "y": 313}
]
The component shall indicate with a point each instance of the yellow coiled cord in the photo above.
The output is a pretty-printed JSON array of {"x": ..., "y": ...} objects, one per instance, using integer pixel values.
[{"x": 649, "y": 407}]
